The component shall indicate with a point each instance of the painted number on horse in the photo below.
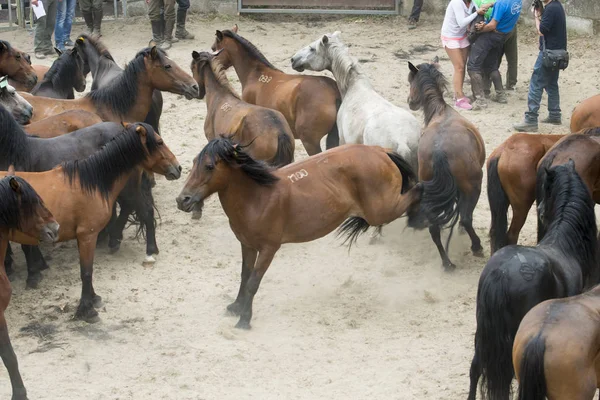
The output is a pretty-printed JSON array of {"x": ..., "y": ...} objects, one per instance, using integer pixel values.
[
  {"x": 265, "y": 79},
  {"x": 296, "y": 176}
]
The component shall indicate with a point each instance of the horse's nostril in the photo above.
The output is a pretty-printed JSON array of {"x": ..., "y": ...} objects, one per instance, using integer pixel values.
[{"x": 179, "y": 168}]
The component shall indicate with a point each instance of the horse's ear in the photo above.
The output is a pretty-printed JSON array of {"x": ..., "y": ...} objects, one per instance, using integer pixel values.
[
  {"x": 571, "y": 164},
  {"x": 3, "y": 46},
  {"x": 125, "y": 124},
  {"x": 219, "y": 35},
  {"x": 216, "y": 53},
  {"x": 235, "y": 28},
  {"x": 412, "y": 67},
  {"x": 74, "y": 51},
  {"x": 11, "y": 170},
  {"x": 58, "y": 51},
  {"x": 195, "y": 55},
  {"x": 436, "y": 62},
  {"x": 141, "y": 131},
  {"x": 15, "y": 185},
  {"x": 154, "y": 53},
  {"x": 325, "y": 39},
  {"x": 80, "y": 40}
]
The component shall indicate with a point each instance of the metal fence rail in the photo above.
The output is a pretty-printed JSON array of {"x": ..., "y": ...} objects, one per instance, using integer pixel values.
[{"x": 373, "y": 7}]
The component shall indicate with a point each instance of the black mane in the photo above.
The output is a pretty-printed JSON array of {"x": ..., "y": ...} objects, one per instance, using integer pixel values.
[
  {"x": 16, "y": 209},
  {"x": 121, "y": 95},
  {"x": 225, "y": 150},
  {"x": 62, "y": 74},
  {"x": 119, "y": 156},
  {"x": 569, "y": 208},
  {"x": 97, "y": 45},
  {"x": 250, "y": 48},
  {"x": 14, "y": 147},
  {"x": 431, "y": 85}
]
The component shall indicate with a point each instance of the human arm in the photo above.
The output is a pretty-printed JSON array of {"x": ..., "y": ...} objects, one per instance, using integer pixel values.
[
  {"x": 489, "y": 27},
  {"x": 546, "y": 21}
]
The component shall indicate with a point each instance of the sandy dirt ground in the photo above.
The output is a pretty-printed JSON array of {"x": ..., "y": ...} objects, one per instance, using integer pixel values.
[{"x": 381, "y": 322}]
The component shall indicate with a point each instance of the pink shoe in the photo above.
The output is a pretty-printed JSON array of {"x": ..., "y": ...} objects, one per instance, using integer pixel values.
[{"x": 463, "y": 103}]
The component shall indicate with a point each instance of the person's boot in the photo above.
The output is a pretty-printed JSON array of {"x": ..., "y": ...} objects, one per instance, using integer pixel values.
[
  {"x": 157, "y": 35},
  {"x": 496, "y": 79},
  {"x": 168, "y": 35},
  {"x": 88, "y": 17},
  {"x": 98, "y": 23},
  {"x": 181, "y": 32},
  {"x": 526, "y": 126},
  {"x": 477, "y": 87},
  {"x": 552, "y": 120}
]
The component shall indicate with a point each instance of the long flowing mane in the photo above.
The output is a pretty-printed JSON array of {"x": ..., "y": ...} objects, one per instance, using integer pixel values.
[
  {"x": 121, "y": 95},
  {"x": 225, "y": 150},
  {"x": 14, "y": 146},
  {"x": 62, "y": 73},
  {"x": 431, "y": 85},
  {"x": 570, "y": 210},
  {"x": 218, "y": 71},
  {"x": 343, "y": 66},
  {"x": 17, "y": 208},
  {"x": 250, "y": 48},
  {"x": 119, "y": 156},
  {"x": 98, "y": 46}
]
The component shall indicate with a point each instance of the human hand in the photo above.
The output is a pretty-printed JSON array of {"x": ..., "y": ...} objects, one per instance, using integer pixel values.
[
  {"x": 479, "y": 26},
  {"x": 34, "y": 2}
]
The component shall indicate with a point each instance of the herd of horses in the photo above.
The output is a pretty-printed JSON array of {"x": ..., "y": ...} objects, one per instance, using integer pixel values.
[{"x": 68, "y": 162}]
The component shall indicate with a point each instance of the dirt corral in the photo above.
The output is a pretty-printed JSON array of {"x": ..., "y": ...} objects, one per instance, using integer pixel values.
[{"x": 381, "y": 322}]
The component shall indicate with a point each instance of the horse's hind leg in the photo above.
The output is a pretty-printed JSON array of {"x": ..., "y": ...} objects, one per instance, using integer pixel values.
[
  {"x": 516, "y": 224},
  {"x": 434, "y": 231},
  {"x": 248, "y": 260},
  {"x": 466, "y": 206},
  {"x": 35, "y": 264},
  {"x": 8, "y": 262},
  {"x": 7, "y": 353},
  {"x": 116, "y": 228}
]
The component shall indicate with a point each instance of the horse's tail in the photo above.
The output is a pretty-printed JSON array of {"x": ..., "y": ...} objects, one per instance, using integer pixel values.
[
  {"x": 498, "y": 206},
  {"x": 333, "y": 137},
  {"x": 285, "y": 149},
  {"x": 532, "y": 378},
  {"x": 440, "y": 197},
  {"x": 352, "y": 228},
  {"x": 540, "y": 183},
  {"x": 409, "y": 178},
  {"x": 494, "y": 337}
]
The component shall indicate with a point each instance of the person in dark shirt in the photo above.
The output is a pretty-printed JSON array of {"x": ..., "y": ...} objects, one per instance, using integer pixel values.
[
  {"x": 415, "y": 14},
  {"x": 552, "y": 28}
]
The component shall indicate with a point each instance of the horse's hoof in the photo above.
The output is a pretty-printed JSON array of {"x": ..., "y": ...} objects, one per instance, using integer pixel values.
[
  {"x": 148, "y": 261},
  {"x": 19, "y": 394},
  {"x": 243, "y": 325},
  {"x": 86, "y": 314},
  {"x": 44, "y": 264},
  {"x": 98, "y": 302},
  {"x": 478, "y": 253},
  {"x": 449, "y": 267},
  {"x": 33, "y": 280},
  {"x": 196, "y": 214},
  {"x": 234, "y": 308},
  {"x": 114, "y": 246}
]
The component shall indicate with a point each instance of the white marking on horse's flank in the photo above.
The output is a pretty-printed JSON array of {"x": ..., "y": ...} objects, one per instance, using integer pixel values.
[
  {"x": 226, "y": 107},
  {"x": 296, "y": 176},
  {"x": 265, "y": 79}
]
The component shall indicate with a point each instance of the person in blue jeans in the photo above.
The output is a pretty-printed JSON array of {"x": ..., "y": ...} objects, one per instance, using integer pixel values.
[
  {"x": 552, "y": 28},
  {"x": 65, "y": 11}
]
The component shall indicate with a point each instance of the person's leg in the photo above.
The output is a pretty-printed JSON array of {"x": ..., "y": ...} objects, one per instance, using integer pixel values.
[
  {"x": 415, "y": 14},
  {"x": 554, "y": 112},
  {"x": 182, "y": 9},
  {"x": 169, "y": 15},
  {"x": 97, "y": 15},
  {"x": 68, "y": 24},
  {"x": 491, "y": 65},
  {"x": 42, "y": 42},
  {"x": 154, "y": 15},
  {"x": 61, "y": 14},
  {"x": 458, "y": 62},
  {"x": 475, "y": 67},
  {"x": 512, "y": 59},
  {"x": 534, "y": 98},
  {"x": 86, "y": 10}
]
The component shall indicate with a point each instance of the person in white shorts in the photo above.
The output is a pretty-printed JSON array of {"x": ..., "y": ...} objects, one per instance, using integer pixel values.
[{"x": 455, "y": 42}]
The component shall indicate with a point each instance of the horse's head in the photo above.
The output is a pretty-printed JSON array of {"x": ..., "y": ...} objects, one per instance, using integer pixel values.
[
  {"x": 220, "y": 45},
  {"x": 414, "y": 94},
  {"x": 199, "y": 62},
  {"x": 72, "y": 62},
  {"x": 426, "y": 83},
  {"x": 159, "y": 158},
  {"x": 20, "y": 108},
  {"x": 87, "y": 47},
  {"x": 23, "y": 209},
  {"x": 166, "y": 75},
  {"x": 315, "y": 56},
  {"x": 17, "y": 65}
]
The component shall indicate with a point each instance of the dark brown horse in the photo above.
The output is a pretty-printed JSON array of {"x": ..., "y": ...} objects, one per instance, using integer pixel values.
[
  {"x": 511, "y": 172},
  {"x": 361, "y": 185},
  {"x": 66, "y": 74},
  {"x": 451, "y": 158},
  {"x": 266, "y": 131},
  {"x": 17, "y": 65},
  {"x": 556, "y": 349},
  {"x": 586, "y": 114},
  {"x": 63, "y": 123},
  {"x": 20, "y": 208},
  {"x": 309, "y": 103},
  {"x": 81, "y": 195}
]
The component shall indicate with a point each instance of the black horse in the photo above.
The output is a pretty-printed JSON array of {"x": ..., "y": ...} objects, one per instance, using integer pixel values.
[
  {"x": 516, "y": 278},
  {"x": 66, "y": 73}
]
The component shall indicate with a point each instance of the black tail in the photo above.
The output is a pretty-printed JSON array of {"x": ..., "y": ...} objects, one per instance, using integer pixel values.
[
  {"x": 439, "y": 202},
  {"x": 352, "y": 228},
  {"x": 498, "y": 206},
  {"x": 532, "y": 379},
  {"x": 408, "y": 175},
  {"x": 333, "y": 137},
  {"x": 494, "y": 337},
  {"x": 540, "y": 184},
  {"x": 285, "y": 150}
]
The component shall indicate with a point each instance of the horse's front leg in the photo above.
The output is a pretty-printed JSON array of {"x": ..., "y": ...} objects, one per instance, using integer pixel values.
[
  {"x": 116, "y": 227},
  {"x": 248, "y": 260},
  {"x": 265, "y": 257},
  {"x": 35, "y": 264},
  {"x": 89, "y": 299}
]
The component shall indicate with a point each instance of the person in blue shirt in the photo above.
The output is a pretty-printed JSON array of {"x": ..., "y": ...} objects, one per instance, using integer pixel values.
[{"x": 486, "y": 51}]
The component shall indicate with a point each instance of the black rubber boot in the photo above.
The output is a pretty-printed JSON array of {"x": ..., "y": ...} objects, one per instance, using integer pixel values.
[
  {"x": 98, "y": 23},
  {"x": 157, "y": 33},
  {"x": 88, "y": 17},
  {"x": 181, "y": 32}
]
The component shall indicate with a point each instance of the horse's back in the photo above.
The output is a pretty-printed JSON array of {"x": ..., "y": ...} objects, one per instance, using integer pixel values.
[{"x": 586, "y": 114}]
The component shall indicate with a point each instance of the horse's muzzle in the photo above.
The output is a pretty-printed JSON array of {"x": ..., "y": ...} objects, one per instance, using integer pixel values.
[
  {"x": 173, "y": 173},
  {"x": 187, "y": 203},
  {"x": 49, "y": 233},
  {"x": 297, "y": 66},
  {"x": 191, "y": 91}
]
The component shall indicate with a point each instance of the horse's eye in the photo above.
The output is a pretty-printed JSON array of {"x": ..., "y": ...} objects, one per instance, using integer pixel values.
[
  {"x": 209, "y": 167},
  {"x": 168, "y": 66},
  {"x": 160, "y": 143},
  {"x": 312, "y": 49},
  {"x": 18, "y": 56}
]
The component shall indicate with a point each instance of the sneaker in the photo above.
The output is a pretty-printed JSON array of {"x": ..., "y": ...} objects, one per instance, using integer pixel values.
[
  {"x": 553, "y": 121},
  {"x": 526, "y": 126},
  {"x": 69, "y": 43},
  {"x": 479, "y": 104},
  {"x": 463, "y": 103},
  {"x": 412, "y": 24}
]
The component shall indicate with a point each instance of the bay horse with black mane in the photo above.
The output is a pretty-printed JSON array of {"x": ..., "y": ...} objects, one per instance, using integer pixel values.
[
  {"x": 308, "y": 103},
  {"x": 17, "y": 65},
  {"x": 81, "y": 195},
  {"x": 65, "y": 74},
  {"x": 361, "y": 185},
  {"x": 516, "y": 278},
  {"x": 21, "y": 208},
  {"x": 451, "y": 158},
  {"x": 63, "y": 123},
  {"x": 265, "y": 131}
]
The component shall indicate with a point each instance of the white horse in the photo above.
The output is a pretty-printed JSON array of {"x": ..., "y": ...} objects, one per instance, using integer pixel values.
[
  {"x": 20, "y": 108},
  {"x": 364, "y": 116}
]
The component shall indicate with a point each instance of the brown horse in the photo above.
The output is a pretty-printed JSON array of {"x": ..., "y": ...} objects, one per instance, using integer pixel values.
[
  {"x": 266, "y": 131},
  {"x": 556, "y": 350},
  {"x": 17, "y": 66},
  {"x": 363, "y": 185},
  {"x": 81, "y": 195},
  {"x": 586, "y": 114},
  {"x": 20, "y": 208},
  {"x": 309, "y": 103},
  {"x": 511, "y": 172},
  {"x": 129, "y": 97},
  {"x": 451, "y": 158},
  {"x": 63, "y": 123}
]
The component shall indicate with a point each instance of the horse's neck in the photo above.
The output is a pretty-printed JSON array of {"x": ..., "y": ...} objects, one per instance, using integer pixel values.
[
  {"x": 249, "y": 69},
  {"x": 216, "y": 94},
  {"x": 243, "y": 194},
  {"x": 435, "y": 110},
  {"x": 346, "y": 71}
]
